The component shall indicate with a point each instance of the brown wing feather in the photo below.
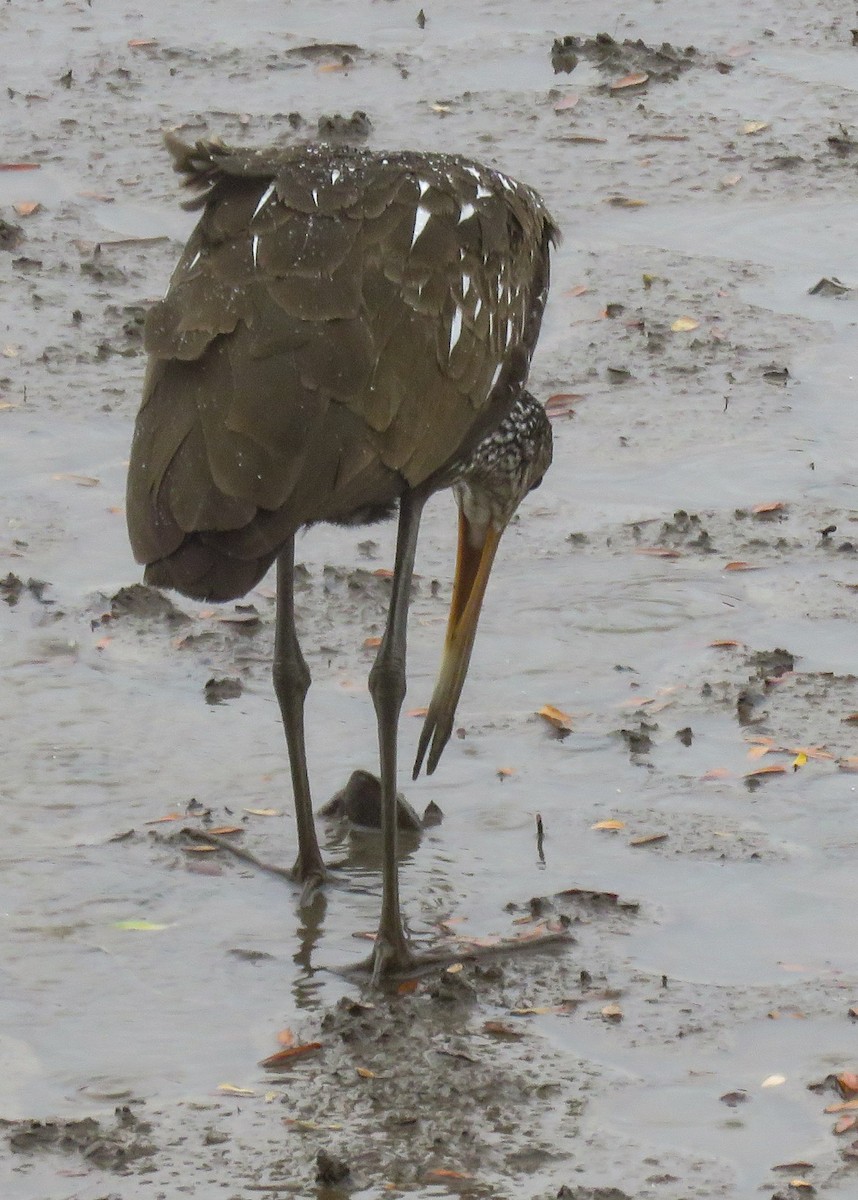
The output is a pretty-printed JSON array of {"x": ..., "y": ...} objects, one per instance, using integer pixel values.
[{"x": 340, "y": 326}]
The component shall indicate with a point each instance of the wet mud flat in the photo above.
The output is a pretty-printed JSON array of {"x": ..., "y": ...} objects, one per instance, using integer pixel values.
[{"x": 682, "y": 591}]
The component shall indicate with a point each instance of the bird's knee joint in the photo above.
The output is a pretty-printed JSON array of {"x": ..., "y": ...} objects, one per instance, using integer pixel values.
[
  {"x": 387, "y": 681},
  {"x": 291, "y": 674}
]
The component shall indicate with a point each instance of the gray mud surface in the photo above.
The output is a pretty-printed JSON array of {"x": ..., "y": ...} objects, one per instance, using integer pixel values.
[{"x": 684, "y": 586}]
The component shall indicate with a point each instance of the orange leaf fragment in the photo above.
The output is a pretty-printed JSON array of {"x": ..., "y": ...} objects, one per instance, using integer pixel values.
[
  {"x": 844, "y": 1106},
  {"x": 503, "y": 1029},
  {"x": 505, "y": 772},
  {"x": 19, "y": 166},
  {"x": 365, "y": 1073},
  {"x": 844, "y": 1124},
  {"x": 726, "y": 644},
  {"x": 200, "y": 849},
  {"x": 225, "y": 830},
  {"x": 629, "y": 81},
  {"x": 848, "y": 764},
  {"x": 371, "y": 643},
  {"x": 758, "y": 751},
  {"x": 740, "y": 566},
  {"x": 139, "y": 43},
  {"x": 160, "y": 820},
  {"x": 286, "y": 1037},
  {"x": 847, "y": 1081},
  {"x": 567, "y": 102},
  {"x": 556, "y": 717},
  {"x": 774, "y": 769},
  {"x": 772, "y": 506},
  {"x": 443, "y": 1173},
  {"x": 647, "y": 839},
  {"x": 609, "y": 825},
  {"x": 383, "y": 573},
  {"x": 716, "y": 773},
  {"x": 26, "y": 208},
  {"x": 684, "y": 325},
  {"x": 417, "y": 712},
  {"x": 287, "y": 1056},
  {"x": 579, "y": 290},
  {"x": 407, "y": 987},
  {"x": 852, "y": 719},
  {"x": 657, "y": 551}
]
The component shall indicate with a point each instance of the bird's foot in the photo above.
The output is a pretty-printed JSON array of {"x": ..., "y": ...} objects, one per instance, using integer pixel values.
[
  {"x": 313, "y": 875},
  {"x": 397, "y": 961}
]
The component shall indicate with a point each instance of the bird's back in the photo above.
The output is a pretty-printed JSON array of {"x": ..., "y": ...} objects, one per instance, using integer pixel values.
[{"x": 341, "y": 326}]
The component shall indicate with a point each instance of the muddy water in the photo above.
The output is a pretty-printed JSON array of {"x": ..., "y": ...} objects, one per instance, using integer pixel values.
[{"x": 740, "y": 963}]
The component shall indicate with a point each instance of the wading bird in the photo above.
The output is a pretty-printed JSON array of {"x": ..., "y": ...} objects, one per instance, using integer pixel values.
[{"x": 345, "y": 332}]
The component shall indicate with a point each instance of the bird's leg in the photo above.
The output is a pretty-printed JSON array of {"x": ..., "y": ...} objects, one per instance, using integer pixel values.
[
  {"x": 291, "y": 683},
  {"x": 387, "y": 686}
]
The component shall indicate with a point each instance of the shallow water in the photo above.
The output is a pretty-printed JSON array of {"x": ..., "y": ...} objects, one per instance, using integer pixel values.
[{"x": 745, "y": 907}]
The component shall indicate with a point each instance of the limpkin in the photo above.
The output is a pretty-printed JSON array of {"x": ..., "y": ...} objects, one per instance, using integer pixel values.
[{"x": 345, "y": 331}]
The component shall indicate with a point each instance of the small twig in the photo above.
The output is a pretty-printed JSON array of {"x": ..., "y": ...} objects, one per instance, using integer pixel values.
[{"x": 222, "y": 843}]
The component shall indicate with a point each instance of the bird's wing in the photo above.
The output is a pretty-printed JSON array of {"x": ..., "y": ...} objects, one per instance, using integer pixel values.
[{"x": 340, "y": 326}]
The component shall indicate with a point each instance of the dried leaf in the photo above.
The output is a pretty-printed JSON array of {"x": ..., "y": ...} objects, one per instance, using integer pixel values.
[
  {"x": 758, "y": 751},
  {"x": 612, "y": 1012},
  {"x": 287, "y": 1056},
  {"x": 609, "y": 825},
  {"x": 772, "y": 506},
  {"x": 852, "y": 719},
  {"x": 365, "y": 1073},
  {"x": 848, "y": 764},
  {"x": 773, "y": 1081},
  {"x": 80, "y": 480},
  {"x": 637, "y": 79},
  {"x": 726, "y": 644},
  {"x": 286, "y": 1037},
  {"x": 684, "y": 325},
  {"x": 503, "y": 1029},
  {"x": 442, "y": 1173},
  {"x": 139, "y": 43},
  {"x": 230, "y": 1089},
  {"x": 843, "y": 1106},
  {"x": 202, "y": 849},
  {"x": 26, "y": 208},
  {"x": 580, "y": 289},
  {"x": 417, "y": 712},
  {"x": 774, "y": 769},
  {"x": 454, "y": 968},
  {"x": 740, "y": 566},
  {"x": 161, "y": 820},
  {"x": 556, "y": 717},
  {"x": 647, "y": 839},
  {"x": 567, "y": 102},
  {"x": 371, "y": 643},
  {"x": 754, "y": 126},
  {"x": 407, "y": 987},
  {"x": 505, "y": 772},
  {"x": 19, "y": 166},
  {"x": 540, "y": 1010},
  {"x": 224, "y": 830},
  {"x": 845, "y": 1123},
  {"x": 715, "y": 773},
  {"x": 657, "y": 551},
  {"x": 625, "y": 202},
  {"x": 847, "y": 1081},
  {"x": 263, "y": 812},
  {"x": 139, "y": 926}
]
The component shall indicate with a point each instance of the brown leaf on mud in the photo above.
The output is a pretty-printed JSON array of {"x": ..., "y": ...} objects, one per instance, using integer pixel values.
[
  {"x": 407, "y": 987},
  {"x": 200, "y": 849},
  {"x": 625, "y": 202},
  {"x": 562, "y": 403},
  {"x": 365, "y": 1073},
  {"x": 19, "y": 166},
  {"x": 567, "y": 102},
  {"x": 740, "y": 566},
  {"x": 759, "y": 751},
  {"x": 26, "y": 208},
  {"x": 751, "y": 127},
  {"x": 580, "y": 289},
  {"x": 505, "y": 772},
  {"x": 263, "y": 812},
  {"x": 81, "y": 480},
  {"x": 230, "y": 1089},
  {"x": 610, "y": 825},
  {"x": 774, "y": 769},
  {"x": 772, "y": 506},
  {"x": 852, "y": 719},
  {"x": 636, "y": 79},
  {"x": 684, "y": 325},
  {"x": 587, "y": 139},
  {"x": 383, "y": 573},
  {"x": 556, "y": 717},
  {"x": 503, "y": 1029},
  {"x": 726, "y": 644},
  {"x": 160, "y": 820},
  {"x": 141, "y": 43},
  {"x": 847, "y": 1081},
  {"x": 417, "y": 712},
  {"x": 845, "y": 1124},
  {"x": 224, "y": 830},
  {"x": 286, "y": 1038},
  {"x": 371, "y": 643},
  {"x": 657, "y": 551},
  {"x": 443, "y": 1173},
  {"x": 648, "y": 839},
  {"x": 843, "y": 1106},
  {"x": 612, "y": 1012},
  {"x": 715, "y": 773},
  {"x": 285, "y": 1058}
]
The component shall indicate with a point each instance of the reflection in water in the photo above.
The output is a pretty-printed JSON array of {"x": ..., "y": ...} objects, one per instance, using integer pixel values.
[{"x": 308, "y": 933}]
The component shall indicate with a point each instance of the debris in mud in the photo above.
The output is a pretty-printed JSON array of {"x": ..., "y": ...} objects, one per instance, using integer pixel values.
[
  {"x": 12, "y": 588},
  {"x": 830, "y": 286},
  {"x": 146, "y": 603},
  {"x": 556, "y": 718},
  {"x": 638, "y": 740},
  {"x": 772, "y": 664},
  {"x": 587, "y": 1193},
  {"x": 331, "y": 1170},
  {"x": 359, "y": 802},
  {"x": 332, "y": 127},
  {"x": 285, "y": 1058},
  {"x": 734, "y": 1099},
  {"x": 216, "y": 691},
  {"x": 11, "y": 235},
  {"x": 111, "y": 1148},
  {"x": 628, "y": 58}
]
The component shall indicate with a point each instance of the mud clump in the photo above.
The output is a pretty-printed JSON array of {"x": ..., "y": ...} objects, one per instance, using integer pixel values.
[
  {"x": 111, "y": 1148},
  {"x": 216, "y": 691},
  {"x": 146, "y": 603},
  {"x": 662, "y": 64},
  {"x": 12, "y": 589}
]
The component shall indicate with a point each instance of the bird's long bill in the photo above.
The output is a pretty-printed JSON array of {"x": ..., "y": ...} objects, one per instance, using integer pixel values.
[{"x": 473, "y": 566}]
